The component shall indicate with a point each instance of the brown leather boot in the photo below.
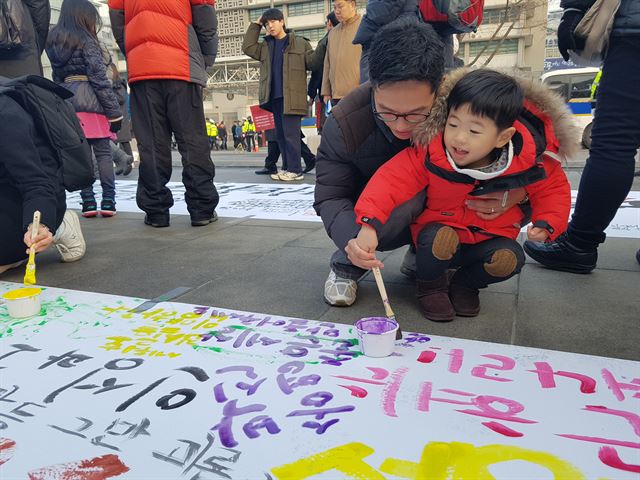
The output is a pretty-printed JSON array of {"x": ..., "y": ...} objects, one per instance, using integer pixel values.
[
  {"x": 465, "y": 299},
  {"x": 434, "y": 300}
]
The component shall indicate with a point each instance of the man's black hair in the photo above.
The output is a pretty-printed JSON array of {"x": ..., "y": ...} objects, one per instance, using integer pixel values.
[
  {"x": 272, "y": 14},
  {"x": 406, "y": 49},
  {"x": 333, "y": 19},
  {"x": 489, "y": 94}
]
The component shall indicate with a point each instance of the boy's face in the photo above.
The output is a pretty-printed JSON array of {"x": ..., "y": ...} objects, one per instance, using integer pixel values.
[
  {"x": 275, "y": 28},
  {"x": 470, "y": 138}
]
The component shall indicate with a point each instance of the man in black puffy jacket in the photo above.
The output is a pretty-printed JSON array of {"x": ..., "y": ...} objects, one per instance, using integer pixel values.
[
  {"x": 615, "y": 139},
  {"x": 32, "y": 18}
]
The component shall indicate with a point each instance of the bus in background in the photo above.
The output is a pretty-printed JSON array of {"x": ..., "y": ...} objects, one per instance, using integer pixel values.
[{"x": 574, "y": 85}]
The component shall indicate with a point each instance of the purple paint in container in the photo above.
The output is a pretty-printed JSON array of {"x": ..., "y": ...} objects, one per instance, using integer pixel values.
[{"x": 377, "y": 336}]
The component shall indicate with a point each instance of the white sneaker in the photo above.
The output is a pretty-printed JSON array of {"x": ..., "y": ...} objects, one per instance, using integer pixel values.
[
  {"x": 275, "y": 176},
  {"x": 68, "y": 239},
  {"x": 340, "y": 292},
  {"x": 290, "y": 176}
]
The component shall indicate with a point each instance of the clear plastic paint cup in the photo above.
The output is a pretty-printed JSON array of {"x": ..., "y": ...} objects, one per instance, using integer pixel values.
[
  {"x": 23, "y": 302},
  {"x": 377, "y": 336}
]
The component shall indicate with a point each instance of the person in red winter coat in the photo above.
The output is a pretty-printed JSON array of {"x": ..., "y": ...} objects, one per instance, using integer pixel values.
[{"x": 494, "y": 139}]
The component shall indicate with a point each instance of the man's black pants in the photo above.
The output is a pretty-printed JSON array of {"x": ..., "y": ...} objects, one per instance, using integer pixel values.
[{"x": 159, "y": 107}]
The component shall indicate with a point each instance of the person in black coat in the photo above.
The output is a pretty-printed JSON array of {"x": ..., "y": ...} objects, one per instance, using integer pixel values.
[
  {"x": 315, "y": 82},
  {"x": 25, "y": 59},
  {"x": 31, "y": 179}
]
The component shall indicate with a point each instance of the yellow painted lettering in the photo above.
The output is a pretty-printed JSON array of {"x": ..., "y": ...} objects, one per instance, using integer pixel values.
[{"x": 347, "y": 459}]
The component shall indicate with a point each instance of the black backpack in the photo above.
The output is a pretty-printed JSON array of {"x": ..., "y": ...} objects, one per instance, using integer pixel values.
[
  {"x": 11, "y": 19},
  {"x": 55, "y": 118}
]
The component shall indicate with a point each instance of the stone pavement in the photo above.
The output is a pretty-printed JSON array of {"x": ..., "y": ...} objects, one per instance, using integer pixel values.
[{"x": 280, "y": 267}]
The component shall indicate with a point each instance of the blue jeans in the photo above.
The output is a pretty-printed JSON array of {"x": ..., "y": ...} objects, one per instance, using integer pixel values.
[
  {"x": 102, "y": 152},
  {"x": 615, "y": 138}
]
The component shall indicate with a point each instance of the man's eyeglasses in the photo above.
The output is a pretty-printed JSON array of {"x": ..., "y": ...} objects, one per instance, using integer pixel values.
[{"x": 388, "y": 117}]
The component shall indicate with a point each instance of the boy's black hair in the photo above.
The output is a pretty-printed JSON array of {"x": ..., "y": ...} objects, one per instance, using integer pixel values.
[
  {"x": 333, "y": 19},
  {"x": 406, "y": 49},
  {"x": 489, "y": 94},
  {"x": 272, "y": 14}
]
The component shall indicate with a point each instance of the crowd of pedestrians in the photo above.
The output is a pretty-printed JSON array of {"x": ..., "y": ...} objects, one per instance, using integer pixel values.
[{"x": 450, "y": 166}]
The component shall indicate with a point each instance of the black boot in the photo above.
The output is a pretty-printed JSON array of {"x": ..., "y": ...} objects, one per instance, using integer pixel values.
[
  {"x": 562, "y": 255},
  {"x": 434, "y": 299}
]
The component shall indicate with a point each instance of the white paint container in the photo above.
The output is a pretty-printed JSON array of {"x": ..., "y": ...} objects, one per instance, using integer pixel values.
[
  {"x": 377, "y": 336},
  {"x": 23, "y": 302}
]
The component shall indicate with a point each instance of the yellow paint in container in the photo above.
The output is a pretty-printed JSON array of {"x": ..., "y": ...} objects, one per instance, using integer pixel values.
[{"x": 23, "y": 302}]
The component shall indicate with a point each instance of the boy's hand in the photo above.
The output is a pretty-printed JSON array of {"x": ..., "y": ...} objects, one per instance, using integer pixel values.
[
  {"x": 43, "y": 239},
  {"x": 537, "y": 234},
  {"x": 361, "y": 250}
]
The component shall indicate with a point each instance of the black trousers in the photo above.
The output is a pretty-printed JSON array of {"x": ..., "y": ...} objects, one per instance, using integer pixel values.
[
  {"x": 615, "y": 139},
  {"x": 250, "y": 142},
  {"x": 288, "y": 135},
  {"x": 273, "y": 152},
  {"x": 470, "y": 259},
  {"x": 158, "y": 108}
]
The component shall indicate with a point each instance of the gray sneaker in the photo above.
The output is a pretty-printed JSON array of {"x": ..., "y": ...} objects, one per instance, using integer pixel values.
[
  {"x": 338, "y": 291},
  {"x": 68, "y": 238}
]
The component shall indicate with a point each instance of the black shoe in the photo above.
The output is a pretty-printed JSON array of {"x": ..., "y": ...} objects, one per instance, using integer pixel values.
[
  {"x": 562, "y": 255},
  {"x": 309, "y": 166},
  {"x": 638, "y": 256},
  {"x": 265, "y": 171},
  {"x": 206, "y": 221},
  {"x": 89, "y": 208},
  {"x": 156, "y": 222},
  {"x": 107, "y": 207}
]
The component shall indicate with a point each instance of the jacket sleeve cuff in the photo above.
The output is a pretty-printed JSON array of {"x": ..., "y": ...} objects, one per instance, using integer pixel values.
[
  {"x": 371, "y": 221},
  {"x": 47, "y": 214},
  {"x": 544, "y": 224}
]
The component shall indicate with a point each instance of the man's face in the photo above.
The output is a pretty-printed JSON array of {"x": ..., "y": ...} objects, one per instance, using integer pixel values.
[
  {"x": 402, "y": 98},
  {"x": 275, "y": 28},
  {"x": 345, "y": 9}
]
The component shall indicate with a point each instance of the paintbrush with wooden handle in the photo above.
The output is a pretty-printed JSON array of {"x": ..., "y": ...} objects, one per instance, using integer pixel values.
[
  {"x": 30, "y": 272},
  {"x": 385, "y": 300}
]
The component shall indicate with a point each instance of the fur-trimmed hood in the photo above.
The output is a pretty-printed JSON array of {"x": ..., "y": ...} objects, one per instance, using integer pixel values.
[{"x": 545, "y": 100}]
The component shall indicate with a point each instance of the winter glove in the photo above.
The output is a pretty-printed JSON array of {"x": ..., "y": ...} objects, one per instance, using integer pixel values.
[
  {"x": 566, "y": 38},
  {"x": 115, "y": 126}
]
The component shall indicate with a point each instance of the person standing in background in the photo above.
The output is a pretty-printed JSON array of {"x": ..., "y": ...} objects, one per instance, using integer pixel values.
[
  {"x": 249, "y": 134},
  {"x": 341, "y": 73},
  {"x": 314, "y": 90},
  {"x": 222, "y": 134},
  {"x": 284, "y": 59},
  {"x": 377, "y": 15},
  {"x": 24, "y": 59},
  {"x": 615, "y": 138},
  {"x": 80, "y": 65},
  {"x": 167, "y": 75}
]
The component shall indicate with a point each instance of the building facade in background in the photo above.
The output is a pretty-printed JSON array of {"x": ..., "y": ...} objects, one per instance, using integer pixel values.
[
  {"x": 511, "y": 38},
  {"x": 514, "y": 36}
]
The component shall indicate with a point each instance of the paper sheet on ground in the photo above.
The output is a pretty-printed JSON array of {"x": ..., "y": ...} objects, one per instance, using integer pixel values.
[
  {"x": 295, "y": 202},
  {"x": 90, "y": 391}
]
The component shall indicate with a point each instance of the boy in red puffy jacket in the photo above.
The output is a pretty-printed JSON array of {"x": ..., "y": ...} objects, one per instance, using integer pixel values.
[{"x": 495, "y": 138}]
